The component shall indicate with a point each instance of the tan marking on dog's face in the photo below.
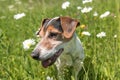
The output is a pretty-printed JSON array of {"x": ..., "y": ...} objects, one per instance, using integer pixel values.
[
  {"x": 41, "y": 32},
  {"x": 52, "y": 29},
  {"x": 52, "y": 38}
]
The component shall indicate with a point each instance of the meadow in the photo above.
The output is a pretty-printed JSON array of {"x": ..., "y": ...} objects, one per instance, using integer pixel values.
[{"x": 102, "y": 60}]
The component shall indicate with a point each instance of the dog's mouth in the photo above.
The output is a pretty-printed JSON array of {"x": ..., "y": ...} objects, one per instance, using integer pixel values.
[{"x": 52, "y": 59}]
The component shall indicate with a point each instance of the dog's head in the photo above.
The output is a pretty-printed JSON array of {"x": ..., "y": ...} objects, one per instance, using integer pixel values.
[{"x": 54, "y": 33}]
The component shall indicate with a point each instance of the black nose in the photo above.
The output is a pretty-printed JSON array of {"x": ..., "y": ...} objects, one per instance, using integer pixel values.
[{"x": 35, "y": 55}]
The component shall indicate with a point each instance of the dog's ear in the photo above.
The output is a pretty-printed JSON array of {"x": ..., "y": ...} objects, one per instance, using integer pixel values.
[
  {"x": 41, "y": 31},
  {"x": 68, "y": 25},
  {"x": 45, "y": 21}
]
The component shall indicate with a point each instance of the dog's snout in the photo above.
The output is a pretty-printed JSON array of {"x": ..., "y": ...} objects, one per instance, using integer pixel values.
[{"x": 35, "y": 55}]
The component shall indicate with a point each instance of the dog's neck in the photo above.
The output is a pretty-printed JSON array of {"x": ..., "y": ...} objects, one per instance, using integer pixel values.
[{"x": 74, "y": 45}]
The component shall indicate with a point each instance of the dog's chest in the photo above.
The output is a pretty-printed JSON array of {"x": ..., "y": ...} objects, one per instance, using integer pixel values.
[{"x": 64, "y": 60}]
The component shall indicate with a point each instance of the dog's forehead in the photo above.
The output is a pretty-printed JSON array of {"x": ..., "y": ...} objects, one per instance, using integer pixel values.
[
  {"x": 55, "y": 23},
  {"x": 53, "y": 20}
]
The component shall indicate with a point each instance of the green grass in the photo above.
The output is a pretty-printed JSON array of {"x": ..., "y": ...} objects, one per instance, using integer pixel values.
[{"x": 102, "y": 60}]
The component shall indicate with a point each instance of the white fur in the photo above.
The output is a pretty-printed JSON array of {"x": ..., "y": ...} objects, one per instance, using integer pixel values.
[
  {"x": 73, "y": 55},
  {"x": 47, "y": 53},
  {"x": 73, "y": 47}
]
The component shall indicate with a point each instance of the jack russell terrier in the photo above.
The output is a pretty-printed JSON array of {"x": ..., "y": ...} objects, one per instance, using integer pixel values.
[{"x": 59, "y": 44}]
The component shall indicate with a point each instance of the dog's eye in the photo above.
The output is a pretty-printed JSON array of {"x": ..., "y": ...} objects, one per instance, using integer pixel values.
[{"x": 52, "y": 35}]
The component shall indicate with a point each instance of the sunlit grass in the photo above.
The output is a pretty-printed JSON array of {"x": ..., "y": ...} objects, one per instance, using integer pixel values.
[{"x": 102, "y": 60}]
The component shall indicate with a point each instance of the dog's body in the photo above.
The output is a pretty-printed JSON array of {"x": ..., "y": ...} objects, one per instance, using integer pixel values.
[{"x": 59, "y": 44}]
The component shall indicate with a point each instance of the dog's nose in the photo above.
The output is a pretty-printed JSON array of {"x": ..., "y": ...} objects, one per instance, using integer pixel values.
[{"x": 35, "y": 55}]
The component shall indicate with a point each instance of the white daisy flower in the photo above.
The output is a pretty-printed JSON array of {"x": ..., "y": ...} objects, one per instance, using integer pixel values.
[
  {"x": 18, "y": 16},
  {"x": 27, "y": 43},
  {"x": 79, "y": 7},
  {"x": 65, "y": 5},
  {"x": 49, "y": 78},
  {"x": 86, "y": 1},
  {"x": 101, "y": 35},
  {"x": 86, "y": 9},
  {"x": 105, "y": 14},
  {"x": 86, "y": 33},
  {"x": 82, "y": 62},
  {"x": 115, "y": 36},
  {"x": 95, "y": 14}
]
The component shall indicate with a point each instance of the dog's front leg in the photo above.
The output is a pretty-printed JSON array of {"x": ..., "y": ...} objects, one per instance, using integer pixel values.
[
  {"x": 59, "y": 68},
  {"x": 77, "y": 66},
  {"x": 62, "y": 65}
]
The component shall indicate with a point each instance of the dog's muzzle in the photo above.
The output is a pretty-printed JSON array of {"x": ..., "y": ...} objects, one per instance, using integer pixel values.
[
  {"x": 35, "y": 55},
  {"x": 49, "y": 61}
]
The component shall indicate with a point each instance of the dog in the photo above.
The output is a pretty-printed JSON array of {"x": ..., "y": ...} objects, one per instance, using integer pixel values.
[{"x": 59, "y": 44}]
